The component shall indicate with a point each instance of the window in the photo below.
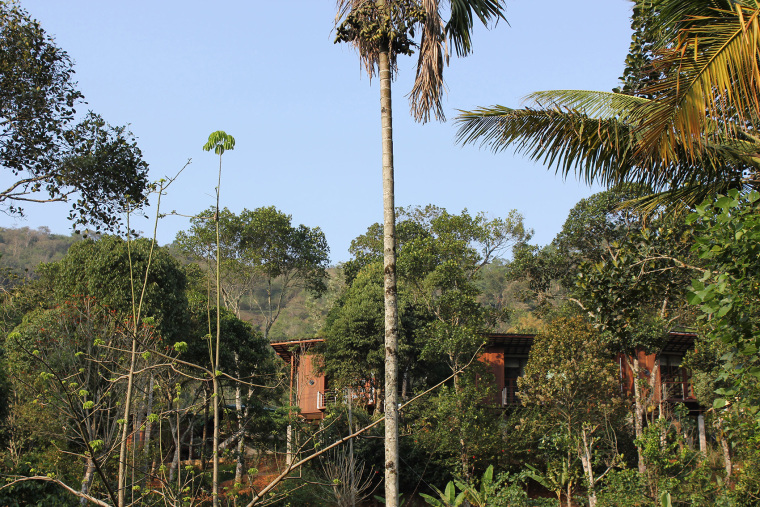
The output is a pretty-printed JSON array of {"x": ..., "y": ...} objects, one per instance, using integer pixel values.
[
  {"x": 514, "y": 368},
  {"x": 674, "y": 378}
]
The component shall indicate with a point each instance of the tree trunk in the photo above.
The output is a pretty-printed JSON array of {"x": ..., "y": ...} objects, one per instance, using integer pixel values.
[
  {"x": 351, "y": 462},
  {"x": 174, "y": 431},
  {"x": 122, "y": 477},
  {"x": 241, "y": 441},
  {"x": 148, "y": 428},
  {"x": 87, "y": 481},
  {"x": 702, "y": 434},
  {"x": 638, "y": 416},
  {"x": 389, "y": 263},
  {"x": 215, "y": 364},
  {"x": 204, "y": 434},
  {"x": 588, "y": 468},
  {"x": 727, "y": 463},
  {"x": 190, "y": 453}
]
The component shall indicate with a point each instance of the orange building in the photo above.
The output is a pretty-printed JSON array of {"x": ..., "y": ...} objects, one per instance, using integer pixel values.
[
  {"x": 672, "y": 382},
  {"x": 506, "y": 354},
  {"x": 308, "y": 387}
]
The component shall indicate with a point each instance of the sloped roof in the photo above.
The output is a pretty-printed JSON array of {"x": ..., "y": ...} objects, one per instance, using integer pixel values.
[
  {"x": 679, "y": 342},
  {"x": 514, "y": 343},
  {"x": 284, "y": 349}
]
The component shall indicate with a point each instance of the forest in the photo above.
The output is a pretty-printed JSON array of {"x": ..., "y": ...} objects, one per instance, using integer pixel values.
[{"x": 454, "y": 361}]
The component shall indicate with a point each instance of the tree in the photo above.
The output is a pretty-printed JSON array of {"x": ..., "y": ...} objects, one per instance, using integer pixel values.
[
  {"x": 219, "y": 142},
  {"x": 49, "y": 156},
  {"x": 591, "y": 227},
  {"x": 264, "y": 258},
  {"x": 260, "y": 256},
  {"x": 380, "y": 30},
  {"x": 247, "y": 366},
  {"x": 570, "y": 375},
  {"x": 442, "y": 322},
  {"x": 440, "y": 259},
  {"x": 111, "y": 272},
  {"x": 105, "y": 269},
  {"x": 686, "y": 134},
  {"x": 635, "y": 293},
  {"x": 441, "y": 262},
  {"x": 70, "y": 359},
  {"x": 353, "y": 353},
  {"x": 728, "y": 235}
]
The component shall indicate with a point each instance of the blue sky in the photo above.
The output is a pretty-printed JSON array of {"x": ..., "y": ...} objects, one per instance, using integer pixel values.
[{"x": 306, "y": 117}]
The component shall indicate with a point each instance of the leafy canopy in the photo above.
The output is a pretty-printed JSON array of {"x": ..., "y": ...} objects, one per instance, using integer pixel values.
[{"x": 47, "y": 156}]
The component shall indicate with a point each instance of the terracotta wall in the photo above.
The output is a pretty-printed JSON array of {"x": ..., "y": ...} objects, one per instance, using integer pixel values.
[
  {"x": 309, "y": 384},
  {"x": 647, "y": 365},
  {"x": 494, "y": 357}
]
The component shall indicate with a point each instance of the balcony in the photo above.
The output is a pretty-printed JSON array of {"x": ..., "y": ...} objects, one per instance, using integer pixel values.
[
  {"x": 677, "y": 390},
  {"x": 509, "y": 395},
  {"x": 326, "y": 397}
]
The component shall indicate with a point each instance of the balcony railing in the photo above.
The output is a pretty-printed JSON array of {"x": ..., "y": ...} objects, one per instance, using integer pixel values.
[
  {"x": 509, "y": 396},
  {"x": 325, "y": 397},
  {"x": 676, "y": 390}
]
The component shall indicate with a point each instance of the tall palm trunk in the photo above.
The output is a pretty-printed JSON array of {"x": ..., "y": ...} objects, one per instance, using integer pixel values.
[
  {"x": 391, "y": 311},
  {"x": 241, "y": 417}
]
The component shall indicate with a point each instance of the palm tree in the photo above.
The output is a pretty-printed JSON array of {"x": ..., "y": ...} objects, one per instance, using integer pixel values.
[
  {"x": 688, "y": 134},
  {"x": 380, "y": 30}
]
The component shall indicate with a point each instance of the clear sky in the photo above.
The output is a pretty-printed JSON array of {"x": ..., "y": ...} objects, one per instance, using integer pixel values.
[{"x": 305, "y": 116}]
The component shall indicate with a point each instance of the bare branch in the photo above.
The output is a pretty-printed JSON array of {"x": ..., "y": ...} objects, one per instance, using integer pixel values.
[{"x": 65, "y": 486}]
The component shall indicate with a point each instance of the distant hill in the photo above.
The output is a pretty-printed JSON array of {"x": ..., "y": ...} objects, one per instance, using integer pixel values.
[{"x": 23, "y": 249}]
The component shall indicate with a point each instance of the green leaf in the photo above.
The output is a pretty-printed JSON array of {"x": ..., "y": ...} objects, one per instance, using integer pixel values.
[
  {"x": 693, "y": 298},
  {"x": 219, "y": 141},
  {"x": 719, "y": 403}
]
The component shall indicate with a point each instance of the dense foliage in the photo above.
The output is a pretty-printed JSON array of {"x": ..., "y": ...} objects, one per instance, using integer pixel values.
[
  {"x": 48, "y": 155},
  {"x": 114, "y": 354}
]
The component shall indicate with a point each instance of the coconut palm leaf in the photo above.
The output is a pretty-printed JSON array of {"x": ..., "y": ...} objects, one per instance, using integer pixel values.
[
  {"x": 568, "y": 140},
  {"x": 601, "y": 147},
  {"x": 694, "y": 136},
  {"x": 463, "y": 13},
  {"x": 712, "y": 76},
  {"x": 593, "y": 103}
]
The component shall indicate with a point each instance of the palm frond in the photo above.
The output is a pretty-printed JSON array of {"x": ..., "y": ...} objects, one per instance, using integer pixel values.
[
  {"x": 463, "y": 14},
  {"x": 593, "y": 103},
  {"x": 596, "y": 149},
  {"x": 427, "y": 92},
  {"x": 712, "y": 76},
  {"x": 601, "y": 150}
]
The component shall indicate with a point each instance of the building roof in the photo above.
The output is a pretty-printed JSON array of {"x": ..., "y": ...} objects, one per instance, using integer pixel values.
[
  {"x": 514, "y": 343},
  {"x": 679, "y": 342},
  {"x": 518, "y": 344},
  {"x": 285, "y": 349}
]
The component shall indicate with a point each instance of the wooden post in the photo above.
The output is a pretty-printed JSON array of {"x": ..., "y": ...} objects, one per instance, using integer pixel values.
[
  {"x": 702, "y": 434},
  {"x": 351, "y": 447},
  {"x": 289, "y": 444}
]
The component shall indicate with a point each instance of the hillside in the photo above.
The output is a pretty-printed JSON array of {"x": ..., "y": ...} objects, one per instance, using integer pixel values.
[{"x": 23, "y": 249}]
